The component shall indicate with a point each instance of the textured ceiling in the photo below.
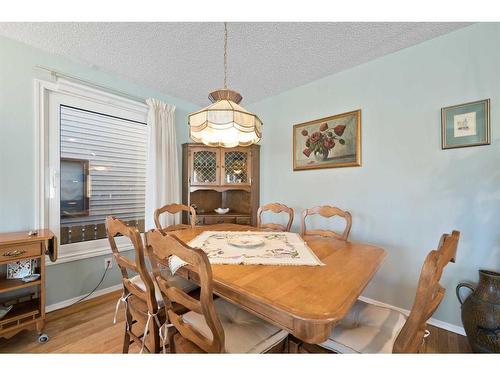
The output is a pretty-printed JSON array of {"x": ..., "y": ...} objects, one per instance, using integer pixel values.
[{"x": 186, "y": 59}]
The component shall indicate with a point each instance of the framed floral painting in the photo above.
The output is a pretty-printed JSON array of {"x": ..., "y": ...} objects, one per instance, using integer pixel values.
[{"x": 330, "y": 142}]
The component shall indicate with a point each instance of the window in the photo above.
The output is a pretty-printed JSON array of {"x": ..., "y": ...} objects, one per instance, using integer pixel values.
[
  {"x": 93, "y": 151},
  {"x": 103, "y": 162}
]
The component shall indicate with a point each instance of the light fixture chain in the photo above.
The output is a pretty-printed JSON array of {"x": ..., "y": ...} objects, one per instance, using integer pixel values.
[{"x": 225, "y": 55}]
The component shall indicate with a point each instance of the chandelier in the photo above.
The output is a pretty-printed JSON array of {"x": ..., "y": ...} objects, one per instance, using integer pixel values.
[{"x": 225, "y": 123}]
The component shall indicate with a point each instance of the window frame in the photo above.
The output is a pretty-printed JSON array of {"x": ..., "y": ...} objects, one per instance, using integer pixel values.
[{"x": 48, "y": 98}]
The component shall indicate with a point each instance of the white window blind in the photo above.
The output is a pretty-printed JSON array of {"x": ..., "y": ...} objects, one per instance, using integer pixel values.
[{"x": 114, "y": 151}]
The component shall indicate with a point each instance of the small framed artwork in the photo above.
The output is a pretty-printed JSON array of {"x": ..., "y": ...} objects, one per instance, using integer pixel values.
[
  {"x": 330, "y": 142},
  {"x": 466, "y": 125}
]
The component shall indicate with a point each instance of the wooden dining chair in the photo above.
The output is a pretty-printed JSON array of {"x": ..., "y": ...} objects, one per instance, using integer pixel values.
[
  {"x": 175, "y": 208},
  {"x": 370, "y": 328},
  {"x": 275, "y": 208},
  {"x": 143, "y": 301},
  {"x": 326, "y": 211},
  {"x": 209, "y": 326}
]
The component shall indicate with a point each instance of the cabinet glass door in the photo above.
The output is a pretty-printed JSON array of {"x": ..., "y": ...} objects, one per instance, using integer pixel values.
[
  {"x": 205, "y": 167},
  {"x": 236, "y": 167}
]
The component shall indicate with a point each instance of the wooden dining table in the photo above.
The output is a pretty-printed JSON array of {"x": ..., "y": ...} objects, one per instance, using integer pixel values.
[{"x": 306, "y": 301}]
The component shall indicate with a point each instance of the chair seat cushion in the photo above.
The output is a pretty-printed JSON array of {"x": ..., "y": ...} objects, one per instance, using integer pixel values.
[
  {"x": 367, "y": 328},
  {"x": 177, "y": 281},
  {"x": 244, "y": 332}
]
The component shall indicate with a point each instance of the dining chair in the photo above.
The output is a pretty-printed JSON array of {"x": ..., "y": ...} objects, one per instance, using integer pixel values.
[
  {"x": 142, "y": 299},
  {"x": 275, "y": 208},
  {"x": 326, "y": 211},
  {"x": 209, "y": 326},
  {"x": 175, "y": 208},
  {"x": 370, "y": 328}
]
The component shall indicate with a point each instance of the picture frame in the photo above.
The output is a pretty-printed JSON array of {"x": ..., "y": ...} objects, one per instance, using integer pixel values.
[
  {"x": 466, "y": 125},
  {"x": 328, "y": 142}
]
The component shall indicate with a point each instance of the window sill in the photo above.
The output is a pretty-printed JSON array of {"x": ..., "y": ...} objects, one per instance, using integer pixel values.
[{"x": 84, "y": 254}]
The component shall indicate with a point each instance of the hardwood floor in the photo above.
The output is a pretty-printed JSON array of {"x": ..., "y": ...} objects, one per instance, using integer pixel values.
[{"x": 88, "y": 328}]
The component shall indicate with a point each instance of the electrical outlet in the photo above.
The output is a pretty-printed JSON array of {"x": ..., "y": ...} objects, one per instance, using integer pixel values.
[{"x": 108, "y": 263}]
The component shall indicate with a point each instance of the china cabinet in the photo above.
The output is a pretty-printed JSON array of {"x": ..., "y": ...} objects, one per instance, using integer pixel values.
[{"x": 214, "y": 177}]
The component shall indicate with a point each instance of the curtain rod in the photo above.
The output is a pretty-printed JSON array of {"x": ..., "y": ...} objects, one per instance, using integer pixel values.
[{"x": 69, "y": 77}]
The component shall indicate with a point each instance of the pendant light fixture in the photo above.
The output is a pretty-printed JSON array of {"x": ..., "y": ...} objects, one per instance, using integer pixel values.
[{"x": 225, "y": 123}]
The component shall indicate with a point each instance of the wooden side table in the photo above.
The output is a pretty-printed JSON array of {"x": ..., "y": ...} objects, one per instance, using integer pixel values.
[{"x": 26, "y": 298}]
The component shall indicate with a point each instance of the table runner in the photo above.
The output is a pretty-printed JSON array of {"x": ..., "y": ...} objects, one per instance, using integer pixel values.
[{"x": 279, "y": 248}]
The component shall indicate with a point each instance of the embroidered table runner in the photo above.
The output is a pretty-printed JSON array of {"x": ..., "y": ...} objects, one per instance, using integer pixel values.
[{"x": 268, "y": 248}]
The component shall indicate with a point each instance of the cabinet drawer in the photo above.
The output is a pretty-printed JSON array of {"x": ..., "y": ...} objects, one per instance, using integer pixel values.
[
  {"x": 219, "y": 220},
  {"x": 199, "y": 221},
  {"x": 243, "y": 220},
  {"x": 14, "y": 252}
]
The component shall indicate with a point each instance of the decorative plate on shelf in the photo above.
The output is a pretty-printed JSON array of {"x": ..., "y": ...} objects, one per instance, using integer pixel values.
[{"x": 30, "y": 278}]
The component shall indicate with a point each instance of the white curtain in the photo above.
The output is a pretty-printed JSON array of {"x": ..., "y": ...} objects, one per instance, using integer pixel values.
[{"x": 162, "y": 172}]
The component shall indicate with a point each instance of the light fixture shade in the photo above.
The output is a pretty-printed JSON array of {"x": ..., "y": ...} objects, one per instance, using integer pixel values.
[{"x": 225, "y": 123}]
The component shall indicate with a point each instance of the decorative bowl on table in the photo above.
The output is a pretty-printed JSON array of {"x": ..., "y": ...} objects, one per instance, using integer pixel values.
[
  {"x": 222, "y": 211},
  {"x": 246, "y": 241}
]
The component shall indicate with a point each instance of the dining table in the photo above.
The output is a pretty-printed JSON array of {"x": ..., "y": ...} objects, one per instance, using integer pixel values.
[{"x": 306, "y": 301}]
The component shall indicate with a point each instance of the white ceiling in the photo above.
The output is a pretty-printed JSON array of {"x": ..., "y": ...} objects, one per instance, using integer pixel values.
[{"x": 185, "y": 60}]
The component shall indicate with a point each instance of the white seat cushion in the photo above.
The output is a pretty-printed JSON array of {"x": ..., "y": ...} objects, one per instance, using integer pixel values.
[
  {"x": 177, "y": 281},
  {"x": 244, "y": 332},
  {"x": 367, "y": 328}
]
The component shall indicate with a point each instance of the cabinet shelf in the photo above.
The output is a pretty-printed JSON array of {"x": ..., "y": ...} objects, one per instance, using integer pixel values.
[
  {"x": 7, "y": 285},
  {"x": 222, "y": 215},
  {"x": 20, "y": 313}
]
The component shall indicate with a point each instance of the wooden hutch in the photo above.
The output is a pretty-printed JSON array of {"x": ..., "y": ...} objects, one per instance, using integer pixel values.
[{"x": 214, "y": 177}]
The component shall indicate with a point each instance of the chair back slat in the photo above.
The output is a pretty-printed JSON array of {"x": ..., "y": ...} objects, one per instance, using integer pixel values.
[
  {"x": 177, "y": 295},
  {"x": 160, "y": 247},
  {"x": 135, "y": 290},
  {"x": 429, "y": 294},
  {"x": 275, "y": 208},
  {"x": 126, "y": 263},
  {"x": 187, "y": 331},
  {"x": 115, "y": 227},
  {"x": 175, "y": 208},
  {"x": 326, "y": 211}
]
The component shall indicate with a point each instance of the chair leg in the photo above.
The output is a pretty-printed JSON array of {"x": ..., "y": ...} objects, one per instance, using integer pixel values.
[
  {"x": 171, "y": 343},
  {"x": 154, "y": 338},
  {"x": 279, "y": 348},
  {"x": 126, "y": 336},
  {"x": 423, "y": 346},
  {"x": 126, "y": 341},
  {"x": 293, "y": 345}
]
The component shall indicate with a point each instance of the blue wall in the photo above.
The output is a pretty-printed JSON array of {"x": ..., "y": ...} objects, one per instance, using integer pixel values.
[
  {"x": 17, "y": 158},
  {"x": 408, "y": 191}
]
